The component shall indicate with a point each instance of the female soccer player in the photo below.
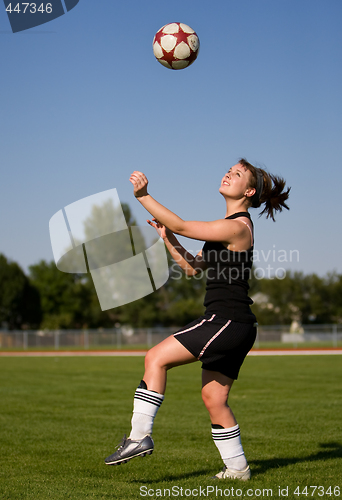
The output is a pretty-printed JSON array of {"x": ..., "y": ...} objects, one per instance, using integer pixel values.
[{"x": 225, "y": 334}]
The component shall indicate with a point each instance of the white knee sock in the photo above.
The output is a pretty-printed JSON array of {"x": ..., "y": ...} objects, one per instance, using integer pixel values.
[
  {"x": 228, "y": 442},
  {"x": 146, "y": 405}
]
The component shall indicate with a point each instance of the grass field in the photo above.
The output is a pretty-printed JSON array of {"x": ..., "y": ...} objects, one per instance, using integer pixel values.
[{"x": 60, "y": 417}]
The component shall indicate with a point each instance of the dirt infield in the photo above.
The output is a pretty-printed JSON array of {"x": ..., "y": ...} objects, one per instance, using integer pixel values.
[{"x": 254, "y": 352}]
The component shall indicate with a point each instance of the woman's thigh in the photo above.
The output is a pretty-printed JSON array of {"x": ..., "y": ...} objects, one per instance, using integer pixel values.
[{"x": 168, "y": 353}]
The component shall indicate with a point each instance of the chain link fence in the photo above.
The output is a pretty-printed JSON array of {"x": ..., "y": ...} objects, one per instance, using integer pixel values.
[
  {"x": 142, "y": 338},
  {"x": 329, "y": 335},
  {"x": 107, "y": 338}
]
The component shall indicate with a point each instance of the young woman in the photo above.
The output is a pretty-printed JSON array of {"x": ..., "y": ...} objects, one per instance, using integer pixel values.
[{"x": 225, "y": 334}]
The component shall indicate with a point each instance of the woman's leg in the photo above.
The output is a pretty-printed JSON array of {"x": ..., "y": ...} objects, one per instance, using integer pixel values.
[
  {"x": 215, "y": 392},
  {"x": 148, "y": 398},
  {"x": 150, "y": 393},
  {"x": 161, "y": 358},
  {"x": 225, "y": 430}
]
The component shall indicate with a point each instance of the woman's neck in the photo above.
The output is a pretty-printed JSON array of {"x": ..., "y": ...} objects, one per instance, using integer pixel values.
[{"x": 234, "y": 207}]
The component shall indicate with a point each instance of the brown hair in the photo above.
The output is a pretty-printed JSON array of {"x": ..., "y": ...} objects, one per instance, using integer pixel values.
[{"x": 273, "y": 193}]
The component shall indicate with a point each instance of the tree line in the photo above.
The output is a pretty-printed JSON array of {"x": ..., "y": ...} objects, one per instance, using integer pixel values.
[{"x": 46, "y": 298}]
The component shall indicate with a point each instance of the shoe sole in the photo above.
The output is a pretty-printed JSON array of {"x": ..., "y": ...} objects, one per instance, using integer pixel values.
[
  {"x": 241, "y": 478},
  {"x": 125, "y": 460}
]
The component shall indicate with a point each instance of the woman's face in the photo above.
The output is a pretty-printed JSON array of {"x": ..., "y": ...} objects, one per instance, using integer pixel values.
[{"x": 236, "y": 183}]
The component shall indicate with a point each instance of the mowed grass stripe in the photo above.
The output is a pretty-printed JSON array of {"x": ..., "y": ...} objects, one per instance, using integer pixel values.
[{"x": 60, "y": 417}]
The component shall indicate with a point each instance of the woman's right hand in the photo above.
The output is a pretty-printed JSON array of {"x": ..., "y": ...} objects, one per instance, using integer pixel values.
[
  {"x": 160, "y": 228},
  {"x": 140, "y": 182}
]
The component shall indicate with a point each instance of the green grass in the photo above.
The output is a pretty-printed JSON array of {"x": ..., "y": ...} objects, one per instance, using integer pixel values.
[{"x": 60, "y": 417}]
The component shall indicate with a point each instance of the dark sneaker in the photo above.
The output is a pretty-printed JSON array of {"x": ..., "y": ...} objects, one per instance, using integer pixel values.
[
  {"x": 128, "y": 449},
  {"x": 226, "y": 473}
]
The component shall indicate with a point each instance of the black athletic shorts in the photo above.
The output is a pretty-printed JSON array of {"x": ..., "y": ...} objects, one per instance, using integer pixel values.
[{"x": 220, "y": 344}]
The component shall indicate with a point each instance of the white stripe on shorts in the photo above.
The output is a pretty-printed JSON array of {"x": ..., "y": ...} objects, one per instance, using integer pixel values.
[
  {"x": 213, "y": 338},
  {"x": 195, "y": 326}
]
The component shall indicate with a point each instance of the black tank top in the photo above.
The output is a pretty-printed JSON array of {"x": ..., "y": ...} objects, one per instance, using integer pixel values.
[{"x": 227, "y": 280}]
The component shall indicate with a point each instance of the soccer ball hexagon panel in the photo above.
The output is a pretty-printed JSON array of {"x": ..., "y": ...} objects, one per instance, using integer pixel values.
[{"x": 176, "y": 46}]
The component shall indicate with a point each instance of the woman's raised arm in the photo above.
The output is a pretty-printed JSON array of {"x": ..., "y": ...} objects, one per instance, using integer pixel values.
[
  {"x": 218, "y": 230},
  {"x": 191, "y": 265}
]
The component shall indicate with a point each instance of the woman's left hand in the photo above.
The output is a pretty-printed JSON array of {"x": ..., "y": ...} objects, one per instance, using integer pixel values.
[
  {"x": 160, "y": 228},
  {"x": 139, "y": 181}
]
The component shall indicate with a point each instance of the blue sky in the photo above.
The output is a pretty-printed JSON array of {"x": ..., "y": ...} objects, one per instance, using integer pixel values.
[{"x": 84, "y": 103}]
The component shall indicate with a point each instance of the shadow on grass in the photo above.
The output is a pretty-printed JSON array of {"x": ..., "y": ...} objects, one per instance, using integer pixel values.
[
  {"x": 328, "y": 451},
  {"x": 174, "y": 477}
]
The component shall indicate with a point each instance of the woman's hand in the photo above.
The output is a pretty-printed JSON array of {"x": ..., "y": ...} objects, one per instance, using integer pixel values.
[
  {"x": 139, "y": 181},
  {"x": 162, "y": 230}
]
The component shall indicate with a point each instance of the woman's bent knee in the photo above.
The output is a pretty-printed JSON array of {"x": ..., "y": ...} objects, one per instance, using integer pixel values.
[
  {"x": 168, "y": 354},
  {"x": 214, "y": 400},
  {"x": 150, "y": 358},
  {"x": 154, "y": 359}
]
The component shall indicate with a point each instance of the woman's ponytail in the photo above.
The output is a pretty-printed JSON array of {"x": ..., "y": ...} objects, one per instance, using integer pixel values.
[{"x": 270, "y": 190}]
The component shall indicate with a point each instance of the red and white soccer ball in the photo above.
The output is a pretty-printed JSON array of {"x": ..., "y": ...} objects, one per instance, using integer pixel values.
[{"x": 176, "y": 46}]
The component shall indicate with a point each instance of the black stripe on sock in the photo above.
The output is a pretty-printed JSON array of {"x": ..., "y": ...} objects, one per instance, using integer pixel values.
[
  {"x": 231, "y": 433},
  {"x": 225, "y": 435},
  {"x": 147, "y": 396},
  {"x": 155, "y": 403},
  {"x": 149, "y": 393}
]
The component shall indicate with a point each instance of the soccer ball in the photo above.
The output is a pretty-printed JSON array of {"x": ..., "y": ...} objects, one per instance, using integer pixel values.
[{"x": 176, "y": 46}]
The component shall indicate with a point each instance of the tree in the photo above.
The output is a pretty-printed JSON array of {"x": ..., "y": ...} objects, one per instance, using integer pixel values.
[
  {"x": 69, "y": 300},
  {"x": 184, "y": 297},
  {"x": 64, "y": 297},
  {"x": 334, "y": 295},
  {"x": 19, "y": 299},
  {"x": 298, "y": 297}
]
